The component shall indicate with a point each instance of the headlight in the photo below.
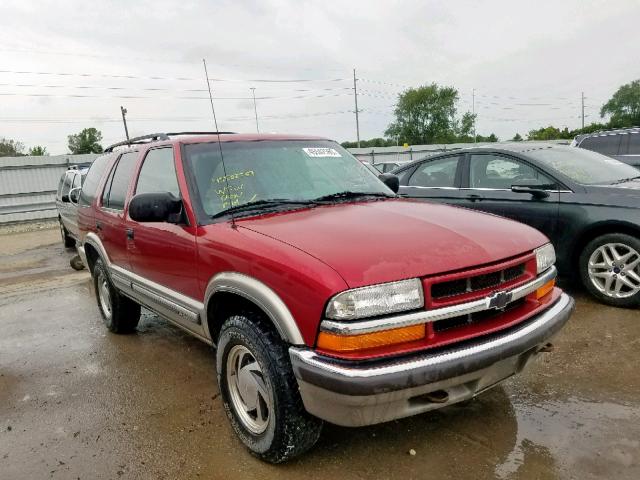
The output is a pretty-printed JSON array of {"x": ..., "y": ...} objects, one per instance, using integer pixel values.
[
  {"x": 545, "y": 257},
  {"x": 376, "y": 300}
]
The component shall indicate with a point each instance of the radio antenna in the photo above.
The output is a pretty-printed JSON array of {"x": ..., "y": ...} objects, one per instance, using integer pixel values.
[{"x": 215, "y": 122}]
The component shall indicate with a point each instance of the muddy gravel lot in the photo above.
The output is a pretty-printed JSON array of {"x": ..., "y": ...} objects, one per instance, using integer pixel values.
[{"x": 78, "y": 402}]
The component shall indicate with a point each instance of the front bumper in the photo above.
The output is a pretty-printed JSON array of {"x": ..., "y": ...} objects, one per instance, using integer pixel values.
[{"x": 354, "y": 393}]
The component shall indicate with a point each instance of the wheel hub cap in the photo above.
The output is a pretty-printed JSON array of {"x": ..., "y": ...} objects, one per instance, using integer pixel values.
[
  {"x": 105, "y": 296},
  {"x": 249, "y": 393},
  {"x": 614, "y": 269}
]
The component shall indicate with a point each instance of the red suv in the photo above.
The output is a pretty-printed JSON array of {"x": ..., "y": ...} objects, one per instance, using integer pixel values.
[{"x": 326, "y": 295}]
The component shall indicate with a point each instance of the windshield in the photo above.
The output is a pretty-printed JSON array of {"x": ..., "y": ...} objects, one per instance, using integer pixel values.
[
  {"x": 584, "y": 166},
  {"x": 267, "y": 170}
]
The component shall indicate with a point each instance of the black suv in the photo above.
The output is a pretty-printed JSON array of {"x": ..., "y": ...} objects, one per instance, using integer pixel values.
[{"x": 622, "y": 144}]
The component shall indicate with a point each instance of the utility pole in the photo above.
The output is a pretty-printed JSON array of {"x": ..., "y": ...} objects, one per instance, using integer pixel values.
[
  {"x": 473, "y": 112},
  {"x": 355, "y": 96},
  {"x": 582, "y": 109},
  {"x": 124, "y": 120},
  {"x": 255, "y": 109}
]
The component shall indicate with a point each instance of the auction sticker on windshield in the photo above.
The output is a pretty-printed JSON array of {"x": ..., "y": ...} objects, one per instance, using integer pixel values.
[{"x": 321, "y": 152}]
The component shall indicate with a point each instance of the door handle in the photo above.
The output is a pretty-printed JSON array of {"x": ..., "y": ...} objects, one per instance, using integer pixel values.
[
  {"x": 130, "y": 233},
  {"x": 474, "y": 197},
  {"x": 98, "y": 225}
]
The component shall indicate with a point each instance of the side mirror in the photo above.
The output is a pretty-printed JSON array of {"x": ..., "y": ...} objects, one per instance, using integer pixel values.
[
  {"x": 391, "y": 181},
  {"x": 536, "y": 192},
  {"x": 155, "y": 207},
  {"x": 74, "y": 195}
]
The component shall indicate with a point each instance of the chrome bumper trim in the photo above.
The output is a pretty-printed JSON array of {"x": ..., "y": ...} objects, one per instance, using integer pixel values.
[
  {"x": 416, "y": 318},
  {"x": 357, "y": 378}
]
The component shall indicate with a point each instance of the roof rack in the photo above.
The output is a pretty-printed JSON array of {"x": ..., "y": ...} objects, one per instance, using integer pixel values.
[
  {"x": 154, "y": 137},
  {"x": 175, "y": 134},
  {"x": 138, "y": 140}
]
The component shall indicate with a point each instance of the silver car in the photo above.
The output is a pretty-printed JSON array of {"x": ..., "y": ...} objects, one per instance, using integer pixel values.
[{"x": 67, "y": 203}]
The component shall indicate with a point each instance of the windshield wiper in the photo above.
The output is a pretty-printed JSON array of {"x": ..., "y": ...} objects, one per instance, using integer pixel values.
[
  {"x": 348, "y": 195},
  {"x": 624, "y": 180},
  {"x": 259, "y": 204}
]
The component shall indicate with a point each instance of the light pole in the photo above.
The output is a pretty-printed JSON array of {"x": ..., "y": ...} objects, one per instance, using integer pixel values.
[
  {"x": 355, "y": 97},
  {"x": 255, "y": 108},
  {"x": 124, "y": 120}
]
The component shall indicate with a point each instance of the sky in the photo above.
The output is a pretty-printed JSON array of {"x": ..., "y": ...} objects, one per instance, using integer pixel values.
[{"x": 65, "y": 66}]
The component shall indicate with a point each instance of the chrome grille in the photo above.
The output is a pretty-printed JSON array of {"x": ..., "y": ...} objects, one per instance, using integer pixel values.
[
  {"x": 473, "y": 318},
  {"x": 452, "y": 288}
]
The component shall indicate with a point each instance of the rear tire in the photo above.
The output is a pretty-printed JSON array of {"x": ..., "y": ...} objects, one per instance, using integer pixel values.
[
  {"x": 260, "y": 392},
  {"x": 67, "y": 241},
  {"x": 610, "y": 269},
  {"x": 120, "y": 314}
]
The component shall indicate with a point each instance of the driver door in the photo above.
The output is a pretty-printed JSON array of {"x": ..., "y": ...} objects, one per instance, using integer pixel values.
[
  {"x": 163, "y": 254},
  {"x": 488, "y": 181}
]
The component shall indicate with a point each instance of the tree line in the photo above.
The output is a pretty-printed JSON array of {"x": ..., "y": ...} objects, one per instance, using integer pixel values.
[
  {"x": 86, "y": 141},
  {"x": 428, "y": 114}
]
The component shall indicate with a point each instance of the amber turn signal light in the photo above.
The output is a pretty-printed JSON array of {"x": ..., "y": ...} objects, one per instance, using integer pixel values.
[
  {"x": 350, "y": 343},
  {"x": 545, "y": 289}
]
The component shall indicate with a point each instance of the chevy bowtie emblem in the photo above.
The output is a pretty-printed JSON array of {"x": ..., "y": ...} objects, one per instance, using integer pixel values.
[{"x": 498, "y": 300}]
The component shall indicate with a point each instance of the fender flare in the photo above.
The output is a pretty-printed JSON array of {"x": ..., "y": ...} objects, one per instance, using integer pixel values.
[
  {"x": 263, "y": 296},
  {"x": 93, "y": 240}
]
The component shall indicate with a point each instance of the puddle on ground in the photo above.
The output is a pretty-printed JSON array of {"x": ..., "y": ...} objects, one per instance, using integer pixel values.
[{"x": 582, "y": 438}]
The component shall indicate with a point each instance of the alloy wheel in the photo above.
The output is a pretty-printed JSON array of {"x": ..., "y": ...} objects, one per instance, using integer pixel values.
[
  {"x": 104, "y": 295},
  {"x": 614, "y": 269},
  {"x": 250, "y": 394}
]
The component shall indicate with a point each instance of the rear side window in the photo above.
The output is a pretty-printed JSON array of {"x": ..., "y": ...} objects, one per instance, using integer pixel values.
[
  {"x": 91, "y": 182},
  {"x": 158, "y": 173},
  {"x": 120, "y": 182},
  {"x": 605, "y": 144},
  {"x": 498, "y": 172},
  {"x": 634, "y": 144}
]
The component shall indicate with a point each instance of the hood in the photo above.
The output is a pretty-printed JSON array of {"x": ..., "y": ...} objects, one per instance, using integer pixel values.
[{"x": 382, "y": 241}]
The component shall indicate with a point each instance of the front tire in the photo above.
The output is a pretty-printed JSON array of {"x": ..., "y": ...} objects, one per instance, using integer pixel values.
[
  {"x": 610, "y": 269},
  {"x": 120, "y": 314},
  {"x": 260, "y": 392}
]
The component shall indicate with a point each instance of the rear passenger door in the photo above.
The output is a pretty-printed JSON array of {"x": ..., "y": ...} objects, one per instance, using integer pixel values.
[
  {"x": 488, "y": 181},
  {"x": 435, "y": 179},
  {"x": 109, "y": 218},
  {"x": 161, "y": 252}
]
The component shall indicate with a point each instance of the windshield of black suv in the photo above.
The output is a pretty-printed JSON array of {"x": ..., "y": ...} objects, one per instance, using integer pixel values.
[
  {"x": 267, "y": 171},
  {"x": 584, "y": 166}
]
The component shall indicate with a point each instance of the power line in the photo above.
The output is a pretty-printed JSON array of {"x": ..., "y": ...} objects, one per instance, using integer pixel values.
[
  {"x": 164, "y": 119},
  {"x": 141, "y": 77},
  {"x": 71, "y": 95},
  {"x": 146, "y": 89}
]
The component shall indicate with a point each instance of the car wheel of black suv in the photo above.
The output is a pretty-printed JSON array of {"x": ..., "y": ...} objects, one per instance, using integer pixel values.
[
  {"x": 67, "y": 241},
  {"x": 120, "y": 314},
  {"x": 259, "y": 391},
  {"x": 610, "y": 269}
]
